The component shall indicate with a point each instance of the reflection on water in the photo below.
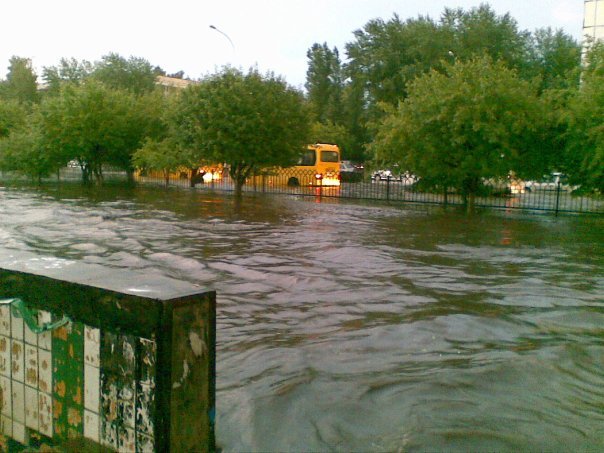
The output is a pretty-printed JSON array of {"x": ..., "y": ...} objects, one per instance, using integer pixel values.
[{"x": 345, "y": 327}]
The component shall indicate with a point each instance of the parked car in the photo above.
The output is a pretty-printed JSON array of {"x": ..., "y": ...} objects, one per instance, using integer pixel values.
[
  {"x": 406, "y": 177},
  {"x": 349, "y": 172},
  {"x": 551, "y": 182}
]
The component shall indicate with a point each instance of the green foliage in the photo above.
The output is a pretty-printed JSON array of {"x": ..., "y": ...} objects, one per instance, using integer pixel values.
[
  {"x": 23, "y": 151},
  {"x": 324, "y": 84},
  {"x": 248, "y": 121},
  {"x": 479, "y": 120},
  {"x": 555, "y": 58},
  {"x": 12, "y": 115},
  {"x": 21, "y": 82},
  {"x": 96, "y": 125},
  {"x": 332, "y": 133},
  {"x": 68, "y": 71},
  {"x": 585, "y": 151},
  {"x": 480, "y": 31},
  {"x": 164, "y": 156},
  {"x": 135, "y": 74}
]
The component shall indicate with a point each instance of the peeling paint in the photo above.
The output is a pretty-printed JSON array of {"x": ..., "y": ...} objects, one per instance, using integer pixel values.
[{"x": 198, "y": 346}]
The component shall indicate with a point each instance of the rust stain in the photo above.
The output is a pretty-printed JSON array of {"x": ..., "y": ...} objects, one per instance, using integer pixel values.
[
  {"x": 32, "y": 376},
  {"x": 60, "y": 333},
  {"x": 3, "y": 344},
  {"x": 1, "y": 398},
  {"x": 77, "y": 398},
  {"x": 60, "y": 388},
  {"x": 57, "y": 409},
  {"x": 16, "y": 348},
  {"x": 74, "y": 417},
  {"x": 43, "y": 386},
  {"x": 44, "y": 365}
]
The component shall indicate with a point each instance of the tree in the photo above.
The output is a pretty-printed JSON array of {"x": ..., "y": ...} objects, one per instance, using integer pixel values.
[
  {"x": 21, "y": 81},
  {"x": 480, "y": 31},
  {"x": 247, "y": 121},
  {"x": 324, "y": 83},
  {"x": 556, "y": 59},
  {"x": 386, "y": 56},
  {"x": 332, "y": 133},
  {"x": 164, "y": 156},
  {"x": 96, "y": 126},
  {"x": 68, "y": 71},
  {"x": 134, "y": 74},
  {"x": 12, "y": 115},
  {"x": 585, "y": 150},
  {"x": 23, "y": 151},
  {"x": 476, "y": 121}
]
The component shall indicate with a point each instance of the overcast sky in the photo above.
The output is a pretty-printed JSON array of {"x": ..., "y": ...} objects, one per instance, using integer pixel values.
[{"x": 270, "y": 34}]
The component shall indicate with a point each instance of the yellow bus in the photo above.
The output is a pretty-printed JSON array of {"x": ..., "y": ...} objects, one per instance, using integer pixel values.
[{"x": 319, "y": 165}]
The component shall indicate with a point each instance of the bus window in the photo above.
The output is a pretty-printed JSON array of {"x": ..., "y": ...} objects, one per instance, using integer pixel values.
[
  {"x": 330, "y": 156},
  {"x": 308, "y": 158}
]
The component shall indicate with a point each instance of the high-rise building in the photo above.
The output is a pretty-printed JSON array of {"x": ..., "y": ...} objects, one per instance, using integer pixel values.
[{"x": 593, "y": 22}]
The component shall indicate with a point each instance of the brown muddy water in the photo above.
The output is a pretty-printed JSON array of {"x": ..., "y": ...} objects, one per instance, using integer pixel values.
[{"x": 346, "y": 327}]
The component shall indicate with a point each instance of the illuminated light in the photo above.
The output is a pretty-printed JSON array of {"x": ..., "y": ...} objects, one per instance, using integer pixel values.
[
  {"x": 318, "y": 176},
  {"x": 331, "y": 182},
  {"x": 207, "y": 177}
]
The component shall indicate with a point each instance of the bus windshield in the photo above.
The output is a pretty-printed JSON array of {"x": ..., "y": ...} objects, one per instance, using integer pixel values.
[
  {"x": 308, "y": 158},
  {"x": 330, "y": 156}
]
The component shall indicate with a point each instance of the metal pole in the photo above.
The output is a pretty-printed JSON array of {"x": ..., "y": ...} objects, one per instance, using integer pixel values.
[{"x": 223, "y": 34}]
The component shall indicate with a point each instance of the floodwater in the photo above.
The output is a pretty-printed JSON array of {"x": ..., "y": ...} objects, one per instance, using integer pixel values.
[{"x": 346, "y": 327}]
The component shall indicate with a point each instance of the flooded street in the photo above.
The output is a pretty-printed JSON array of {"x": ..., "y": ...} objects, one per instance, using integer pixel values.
[{"x": 346, "y": 327}]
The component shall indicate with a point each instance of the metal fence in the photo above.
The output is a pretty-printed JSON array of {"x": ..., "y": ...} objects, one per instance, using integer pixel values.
[{"x": 556, "y": 198}]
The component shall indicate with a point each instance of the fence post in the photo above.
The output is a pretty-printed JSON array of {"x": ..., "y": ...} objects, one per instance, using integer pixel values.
[
  {"x": 388, "y": 188},
  {"x": 558, "y": 188}
]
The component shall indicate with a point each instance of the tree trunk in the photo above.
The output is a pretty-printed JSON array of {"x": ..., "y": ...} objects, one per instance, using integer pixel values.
[
  {"x": 167, "y": 178},
  {"x": 239, "y": 182}
]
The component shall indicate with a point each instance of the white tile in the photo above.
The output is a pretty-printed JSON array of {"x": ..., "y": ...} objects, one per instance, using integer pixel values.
[
  {"x": 92, "y": 346},
  {"x": 45, "y": 338},
  {"x": 31, "y": 366},
  {"x": 31, "y": 408},
  {"x": 91, "y": 426},
  {"x": 5, "y": 320},
  {"x": 92, "y": 390},
  {"x": 6, "y": 426},
  {"x": 16, "y": 326},
  {"x": 18, "y": 392},
  {"x": 28, "y": 335},
  {"x": 45, "y": 414},
  {"x": 17, "y": 359},
  {"x": 45, "y": 371},
  {"x": 6, "y": 396},
  {"x": 19, "y": 432},
  {"x": 5, "y": 361}
]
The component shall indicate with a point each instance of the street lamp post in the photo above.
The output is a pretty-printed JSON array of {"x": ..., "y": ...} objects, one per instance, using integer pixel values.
[{"x": 223, "y": 34}]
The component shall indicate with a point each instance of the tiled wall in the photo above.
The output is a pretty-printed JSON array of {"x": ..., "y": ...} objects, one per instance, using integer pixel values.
[{"x": 76, "y": 381}]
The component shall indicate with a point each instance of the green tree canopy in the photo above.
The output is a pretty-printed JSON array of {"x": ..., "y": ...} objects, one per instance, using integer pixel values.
[
  {"x": 324, "y": 83},
  {"x": 555, "y": 58},
  {"x": 12, "y": 115},
  {"x": 585, "y": 151},
  {"x": 67, "y": 71},
  {"x": 478, "y": 120},
  {"x": 97, "y": 126},
  {"x": 21, "y": 81},
  {"x": 248, "y": 121},
  {"x": 133, "y": 74}
]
